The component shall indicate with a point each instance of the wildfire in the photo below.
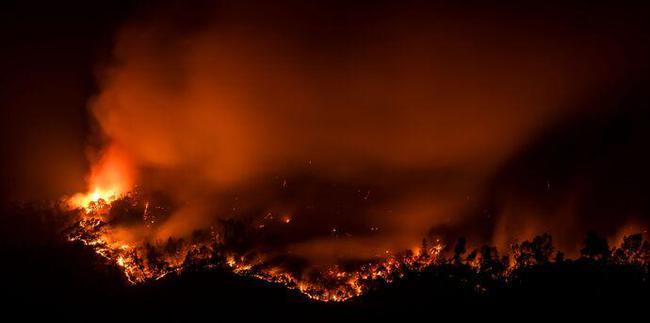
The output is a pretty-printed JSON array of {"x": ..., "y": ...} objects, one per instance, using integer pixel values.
[
  {"x": 111, "y": 177},
  {"x": 142, "y": 261},
  {"x": 86, "y": 200},
  {"x": 145, "y": 259}
]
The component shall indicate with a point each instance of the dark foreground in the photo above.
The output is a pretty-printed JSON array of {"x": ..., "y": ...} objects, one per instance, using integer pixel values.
[{"x": 44, "y": 274}]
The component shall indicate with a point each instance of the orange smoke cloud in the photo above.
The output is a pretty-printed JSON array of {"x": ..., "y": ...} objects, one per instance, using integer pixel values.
[{"x": 420, "y": 108}]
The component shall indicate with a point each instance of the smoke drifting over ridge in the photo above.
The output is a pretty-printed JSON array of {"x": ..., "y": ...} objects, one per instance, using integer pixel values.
[{"x": 368, "y": 128}]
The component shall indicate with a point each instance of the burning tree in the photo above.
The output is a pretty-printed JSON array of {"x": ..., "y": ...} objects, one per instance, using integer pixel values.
[
  {"x": 228, "y": 244},
  {"x": 530, "y": 253}
]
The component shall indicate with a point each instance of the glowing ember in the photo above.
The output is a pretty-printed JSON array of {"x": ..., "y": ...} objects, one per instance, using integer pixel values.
[{"x": 143, "y": 262}]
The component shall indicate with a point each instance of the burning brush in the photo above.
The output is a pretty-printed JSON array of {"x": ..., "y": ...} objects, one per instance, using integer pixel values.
[
  {"x": 123, "y": 224},
  {"x": 143, "y": 261},
  {"x": 99, "y": 228}
]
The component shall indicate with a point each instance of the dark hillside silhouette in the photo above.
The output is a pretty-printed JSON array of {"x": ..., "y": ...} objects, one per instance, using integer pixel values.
[{"x": 46, "y": 271}]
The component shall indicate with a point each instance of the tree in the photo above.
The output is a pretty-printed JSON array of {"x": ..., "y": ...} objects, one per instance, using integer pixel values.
[
  {"x": 631, "y": 250},
  {"x": 530, "y": 253},
  {"x": 489, "y": 260},
  {"x": 596, "y": 247},
  {"x": 632, "y": 243},
  {"x": 424, "y": 251},
  {"x": 644, "y": 253},
  {"x": 459, "y": 250},
  {"x": 522, "y": 254},
  {"x": 542, "y": 248}
]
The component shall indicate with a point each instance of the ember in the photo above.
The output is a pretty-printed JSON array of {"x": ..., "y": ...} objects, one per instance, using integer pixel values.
[
  {"x": 213, "y": 157},
  {"x": 142, "y": 262}
]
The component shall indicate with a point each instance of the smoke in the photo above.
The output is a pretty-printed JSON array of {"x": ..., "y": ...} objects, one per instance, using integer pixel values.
[{"x": 370, "y": 127}]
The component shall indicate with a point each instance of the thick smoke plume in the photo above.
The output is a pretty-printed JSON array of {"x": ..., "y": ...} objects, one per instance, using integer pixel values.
[{"x": 365, "y": 129}]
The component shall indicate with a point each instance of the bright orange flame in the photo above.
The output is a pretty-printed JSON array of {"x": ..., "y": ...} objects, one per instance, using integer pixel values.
[{"x": 111, "y": 177}]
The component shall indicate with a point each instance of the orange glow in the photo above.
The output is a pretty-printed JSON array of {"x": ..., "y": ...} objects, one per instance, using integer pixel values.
[
  {"x": 291, "y": 151},
  {"x": 333, "y": 283},
  {"x": 111, "y": 177}
]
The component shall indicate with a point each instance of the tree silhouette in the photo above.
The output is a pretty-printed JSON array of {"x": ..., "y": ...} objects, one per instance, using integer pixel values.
[
  {"x": 489, "y": 260},
  {"x": 596, "y": 247},
  {"x": 542, "y": 248},
  {"x": 459, "y": 250}
]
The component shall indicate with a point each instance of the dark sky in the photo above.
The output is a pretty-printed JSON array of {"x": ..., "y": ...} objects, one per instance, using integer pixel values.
[{"x": 49, "y": 50}]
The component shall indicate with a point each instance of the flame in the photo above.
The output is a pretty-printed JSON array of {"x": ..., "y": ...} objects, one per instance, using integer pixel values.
[
  {"x": 286, "y": 219},
  {"x": 142, "y": 261},
  {"x": 333, "y": 283},
  {"x": 110, "y": 178}
]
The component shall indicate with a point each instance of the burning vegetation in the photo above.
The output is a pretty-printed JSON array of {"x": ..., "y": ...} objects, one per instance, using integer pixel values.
[
  {"x": 320, "y": 163},
  {"x": 326, "y": 155},
  {"x": 223, "y": 246}
]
